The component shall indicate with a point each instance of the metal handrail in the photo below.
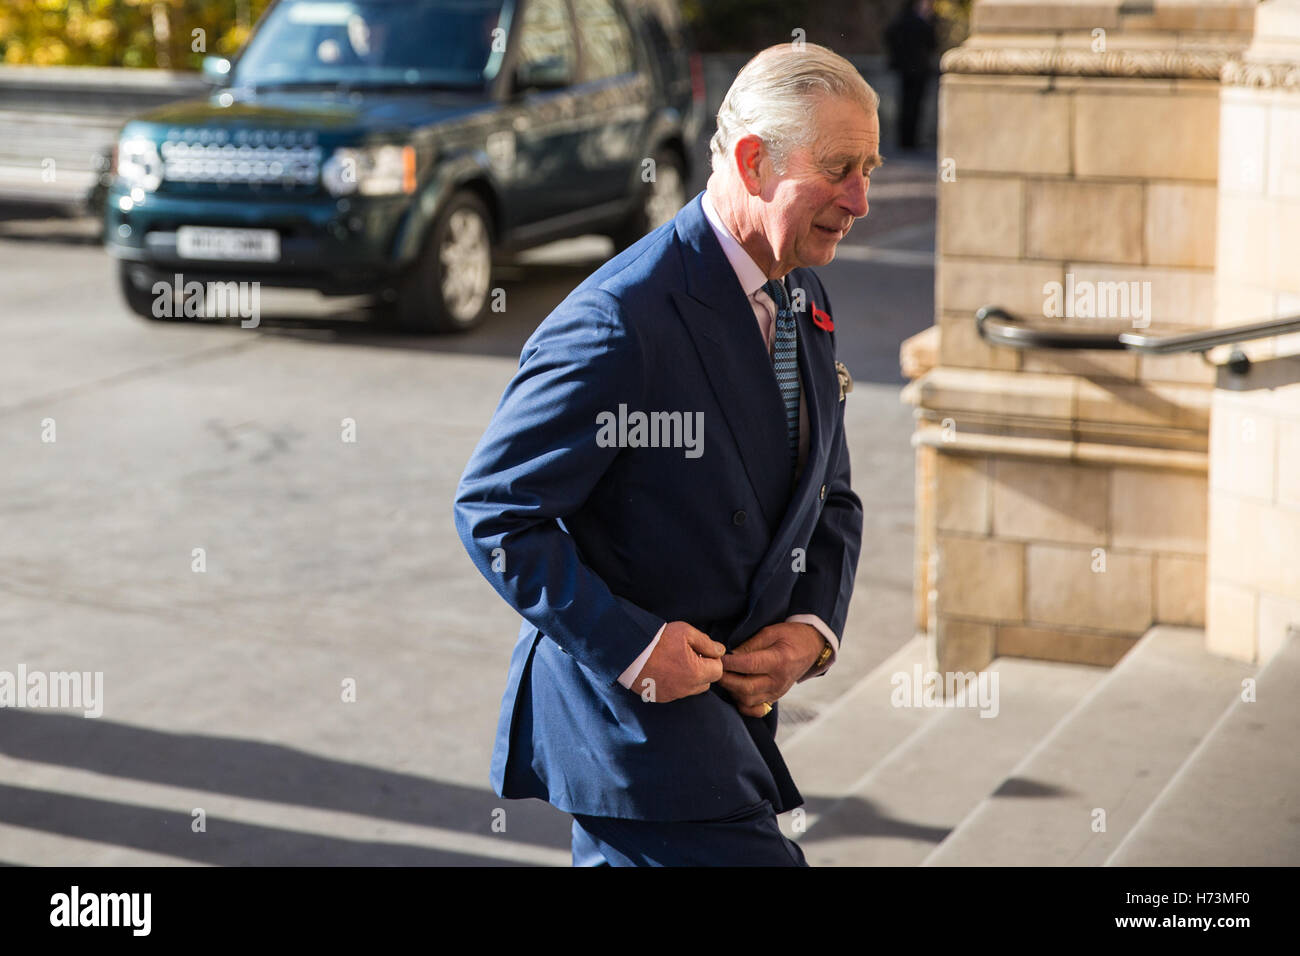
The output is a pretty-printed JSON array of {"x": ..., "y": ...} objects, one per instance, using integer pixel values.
[{"x": 1000, "y": 327}]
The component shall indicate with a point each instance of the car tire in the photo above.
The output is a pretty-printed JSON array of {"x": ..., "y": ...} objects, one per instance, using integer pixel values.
[
  {"x": 449, "y": 287},
  {"x": 658, "y": 201},
  {"x": 136, "y": 284}
]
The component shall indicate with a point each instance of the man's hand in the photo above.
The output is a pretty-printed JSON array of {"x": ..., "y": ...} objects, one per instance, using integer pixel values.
[
  {"x": 684, "y": 663},
  {"x": 761, "y": 670}
]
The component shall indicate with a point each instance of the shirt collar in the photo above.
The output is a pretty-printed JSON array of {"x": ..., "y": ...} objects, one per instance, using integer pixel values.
[{"x": 751, "y": 277}]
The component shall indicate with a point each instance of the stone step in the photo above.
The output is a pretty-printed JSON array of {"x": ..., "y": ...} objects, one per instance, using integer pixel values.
[
  {"x": 830, "y": 753},
  {"x": 909, "y": 801},
  {"x": 1236, "y": 801},
  {"x": 1113, "y": 752}
]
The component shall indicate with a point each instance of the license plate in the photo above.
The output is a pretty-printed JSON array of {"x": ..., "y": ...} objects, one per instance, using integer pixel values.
[{"x": 238, "y": 245}]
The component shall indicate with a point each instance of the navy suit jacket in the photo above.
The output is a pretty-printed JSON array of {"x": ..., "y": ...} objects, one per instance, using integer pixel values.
[{"x": 597, "y": 547}]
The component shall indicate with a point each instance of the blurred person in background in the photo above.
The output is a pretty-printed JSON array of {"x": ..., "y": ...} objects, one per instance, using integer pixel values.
[{"x": 911, "y": 41}]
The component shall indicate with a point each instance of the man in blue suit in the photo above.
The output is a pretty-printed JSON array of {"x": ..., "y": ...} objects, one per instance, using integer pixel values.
[{"x": 663, "y": 493}]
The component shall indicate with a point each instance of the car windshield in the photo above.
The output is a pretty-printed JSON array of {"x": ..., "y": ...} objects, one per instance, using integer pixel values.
[{"x": 360, "y": 43}]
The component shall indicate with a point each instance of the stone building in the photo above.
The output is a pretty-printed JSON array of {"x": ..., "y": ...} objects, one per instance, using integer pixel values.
[{"x": 1110, "y": 166}]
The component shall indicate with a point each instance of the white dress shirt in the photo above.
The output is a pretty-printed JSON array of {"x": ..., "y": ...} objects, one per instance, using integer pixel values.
[{"x": 752, "y": 279}]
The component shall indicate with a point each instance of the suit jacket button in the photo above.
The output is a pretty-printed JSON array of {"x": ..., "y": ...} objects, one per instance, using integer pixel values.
[
  {"x": 738, "y": 518},
  {"x": 823, "y": 493}
]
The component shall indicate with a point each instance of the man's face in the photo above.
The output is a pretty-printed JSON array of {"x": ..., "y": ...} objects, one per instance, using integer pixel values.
[{"x": 824, "y": 188}]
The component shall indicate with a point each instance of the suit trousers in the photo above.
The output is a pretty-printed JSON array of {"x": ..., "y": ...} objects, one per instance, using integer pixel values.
[{"x": 750, "y": 837}]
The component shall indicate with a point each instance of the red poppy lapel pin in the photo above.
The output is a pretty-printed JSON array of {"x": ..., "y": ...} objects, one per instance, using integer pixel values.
[{"x": 822, "y": 319}]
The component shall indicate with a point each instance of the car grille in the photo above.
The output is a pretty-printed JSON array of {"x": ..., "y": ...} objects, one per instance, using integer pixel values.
[{"x": 245, "y": 156}]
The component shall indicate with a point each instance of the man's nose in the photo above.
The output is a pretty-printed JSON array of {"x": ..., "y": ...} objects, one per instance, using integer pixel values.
[{"x": 854, "y": 198}]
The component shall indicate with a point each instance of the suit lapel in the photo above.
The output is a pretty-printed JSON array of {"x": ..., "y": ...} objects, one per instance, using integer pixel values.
[
  {"x": 720, "y": 321},
  {"x": 721, "y": 324}
]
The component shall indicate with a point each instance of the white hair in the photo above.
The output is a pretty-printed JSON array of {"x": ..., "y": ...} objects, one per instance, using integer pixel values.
[{"x": 774, "y": 95}]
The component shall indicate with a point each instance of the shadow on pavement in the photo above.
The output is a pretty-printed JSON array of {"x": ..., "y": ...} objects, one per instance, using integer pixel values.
[
  {"x": 225, "y": 842},
  {"x": 248, "y": 769},
  {"x": 33, "y": 222},
  {"x": 856, "y": 817}
]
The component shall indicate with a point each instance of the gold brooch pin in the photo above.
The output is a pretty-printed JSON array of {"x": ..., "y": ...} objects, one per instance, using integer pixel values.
[{"x": 846, "y": 380}]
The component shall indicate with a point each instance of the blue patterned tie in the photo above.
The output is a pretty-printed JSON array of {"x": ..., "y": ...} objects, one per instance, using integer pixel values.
[{"x": 785, "y": 362}]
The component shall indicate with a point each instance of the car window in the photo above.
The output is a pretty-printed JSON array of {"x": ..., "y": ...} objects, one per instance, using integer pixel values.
[
  {"x": 363, "y": 42},
  {"x": 606, "y": 40},
  {"x": 546, "y": 46}
]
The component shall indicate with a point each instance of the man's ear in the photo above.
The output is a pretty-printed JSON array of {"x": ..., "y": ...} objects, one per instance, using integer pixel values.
[{"x": 749, "y": 157}]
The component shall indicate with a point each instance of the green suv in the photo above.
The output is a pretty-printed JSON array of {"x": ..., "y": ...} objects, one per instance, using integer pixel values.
[{"x": 392, "y": 147}]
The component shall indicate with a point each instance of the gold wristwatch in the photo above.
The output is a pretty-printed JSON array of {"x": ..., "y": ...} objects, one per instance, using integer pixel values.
[{"x": 824, "y": 656}]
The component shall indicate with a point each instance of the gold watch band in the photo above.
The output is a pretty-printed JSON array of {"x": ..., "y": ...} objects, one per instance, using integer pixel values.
[{"x": 824, "y": 656}]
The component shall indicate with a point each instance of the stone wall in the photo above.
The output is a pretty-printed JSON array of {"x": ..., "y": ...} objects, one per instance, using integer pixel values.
[
  {"x": 1254, "y": 528},
  {"x": 1062, "y": 496}
]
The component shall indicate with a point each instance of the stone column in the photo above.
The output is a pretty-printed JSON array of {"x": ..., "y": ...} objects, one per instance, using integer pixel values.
[
  {"x": 1062, "y": 497},
  {"x": 1254, "y": 530}
]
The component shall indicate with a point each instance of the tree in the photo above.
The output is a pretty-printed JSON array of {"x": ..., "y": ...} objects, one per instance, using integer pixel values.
[{"x": 171, "y": 34}]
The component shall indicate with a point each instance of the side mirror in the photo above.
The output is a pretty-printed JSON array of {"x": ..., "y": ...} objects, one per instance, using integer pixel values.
[
  {"x": 216, "y": 70},
  {"x": 549, "y": 74}
]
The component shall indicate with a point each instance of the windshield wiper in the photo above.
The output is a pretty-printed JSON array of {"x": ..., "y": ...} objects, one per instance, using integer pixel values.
[{"x": 300, "y": 85}]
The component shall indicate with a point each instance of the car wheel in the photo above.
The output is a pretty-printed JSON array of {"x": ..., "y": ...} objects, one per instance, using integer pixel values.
[
  {"x": 660, "y": 199},
  {"x": 449, "y": 287},
  {"x": 136, "y": 284}
]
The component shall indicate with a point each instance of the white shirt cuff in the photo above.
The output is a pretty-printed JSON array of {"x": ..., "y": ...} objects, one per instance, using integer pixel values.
[{"x": 628, "y": 676}]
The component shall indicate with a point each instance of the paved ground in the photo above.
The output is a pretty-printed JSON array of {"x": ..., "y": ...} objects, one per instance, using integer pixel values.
[{"x": 325, "y": 561}]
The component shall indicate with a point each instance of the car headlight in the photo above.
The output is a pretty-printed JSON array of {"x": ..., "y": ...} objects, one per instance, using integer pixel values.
[
  {"x": 370, "y": 171},
  {"x": 138, "y": 163}
]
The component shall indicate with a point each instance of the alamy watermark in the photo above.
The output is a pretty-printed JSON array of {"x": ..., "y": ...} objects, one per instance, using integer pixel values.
[
  {"x": 130, "y": 910},
  {"x": 208, "y": 300},
  {"x": 638, "y": 429},
  {"x": 1085, "y": 299},
  {"x": 60, "y": 690},
  {"x": 959, "y": 689}
]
